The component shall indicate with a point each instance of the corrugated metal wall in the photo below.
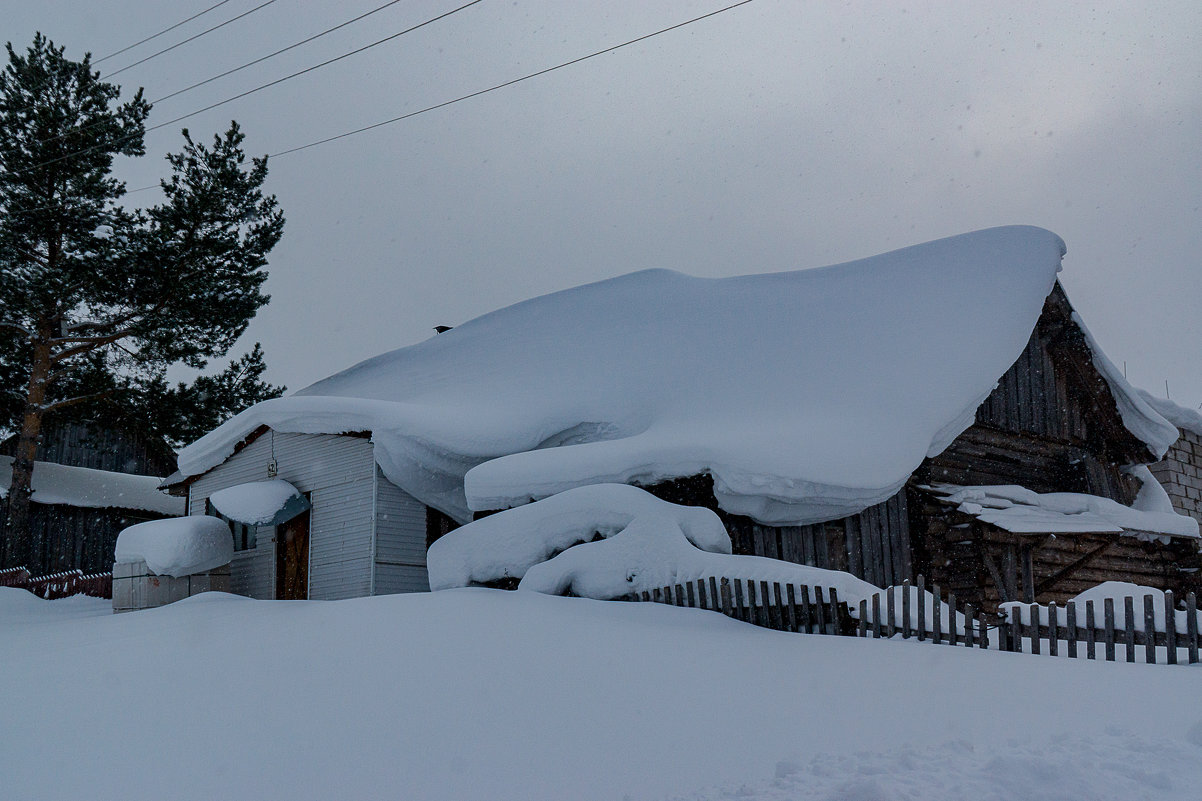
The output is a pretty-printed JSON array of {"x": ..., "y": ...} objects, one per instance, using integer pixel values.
[
  {"x": 400, "y": 556},
  {"x": 338, "y": 473}
]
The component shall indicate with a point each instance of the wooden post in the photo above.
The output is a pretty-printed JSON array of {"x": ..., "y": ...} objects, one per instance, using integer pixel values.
[
  {"x": 1034, "y": 611},
  {"x": 1090, "y": 632},
  {"x": 1191, "y": 627},
  {"x": 791, "y": 599},
  {"x": 1170, "y": 628},
  {"x": 780, "y": 607},
  {"x": 906, "y": 609},
  {"x": 876, "y": 616},
  {"x": 702, "y": 601},
  {"x": 1053, "y": 630},
  {"x": 922, "y": 608},
  {"x": 714, "y": 593},
  {"x": 890, "y": 607},
  {"x": 1129, "y": 630},
  {"x": 1016, "y": 629},
  {"x": 836, "y": 613},
  {"x": 863, "y": 627},
  {"x": 753, "y": 612},
  {"x": 727, "y": 608},
  {"x": 771, "y": 613},
  {"x": 969, "y": 622},
  {"x": 952, "y": 621},
  {"x": 1149, "y": 631},
  {"x": 983, "y": 639},
  {"x": 1071, "y": 621},
  {"x": 740, "y": 610},
  {"x": 821, "y": 612},
  {"x": 936, "y": 616},
  {"x": 680, "y": 600},
  {"x": 692, "y": 596},
  {"x": 1108, "y": 618}
]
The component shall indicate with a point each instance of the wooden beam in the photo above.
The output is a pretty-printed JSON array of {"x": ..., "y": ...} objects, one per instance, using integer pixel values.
[
  {"x": 1002, "y": 588},
  {"x": 1072, "y": 567}
]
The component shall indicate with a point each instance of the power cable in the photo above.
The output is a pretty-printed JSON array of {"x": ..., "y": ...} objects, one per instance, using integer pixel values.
[
  {"x": 160, "y": 33},
  {"x": 508, "y": 83},
  {"x": 192, "y": 38}
]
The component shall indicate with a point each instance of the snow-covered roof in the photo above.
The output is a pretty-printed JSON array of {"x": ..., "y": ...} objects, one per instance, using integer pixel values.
[
  {"x": 807, "y": 395},
  {"x": 1021, "y": 511},
  {"x": 1183, "y": 417},
  {"x": 94, "y": 489},
  {"x": 177, "y": 546}
]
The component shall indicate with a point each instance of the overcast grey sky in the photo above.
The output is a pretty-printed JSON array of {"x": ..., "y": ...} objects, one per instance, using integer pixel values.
[{"x": 779, "y": 135}]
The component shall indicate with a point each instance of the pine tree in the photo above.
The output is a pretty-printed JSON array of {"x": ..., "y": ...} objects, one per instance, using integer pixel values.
[{"x": 93, "y": 297}]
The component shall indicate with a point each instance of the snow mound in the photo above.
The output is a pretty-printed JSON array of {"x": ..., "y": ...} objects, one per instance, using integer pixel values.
[
  {"x": 1184, "y": 418},
  {"x": 59, "y": 484},
  {"x": 653, "y": 552},
  {"x": 807, "y": 395},
  {"x": 507, "y": 544},
  {"x": 1022, "y": 511},
  {"x": 178, "y": 546}
]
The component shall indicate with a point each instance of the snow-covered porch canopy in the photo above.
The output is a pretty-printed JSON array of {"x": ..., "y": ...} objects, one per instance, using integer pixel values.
[
  {"x": 260, "y": 503},
  {"x": 806, "y": 395}
]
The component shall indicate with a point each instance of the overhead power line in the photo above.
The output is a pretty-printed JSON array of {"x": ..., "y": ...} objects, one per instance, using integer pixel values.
[
  {"x": 460, "y": 99},
  {"x": 192, "y": 38},
  {"x": 160, "y": 33}
]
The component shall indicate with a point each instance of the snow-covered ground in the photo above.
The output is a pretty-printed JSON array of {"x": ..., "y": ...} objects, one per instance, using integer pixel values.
[{"x": 484, "y": 694}]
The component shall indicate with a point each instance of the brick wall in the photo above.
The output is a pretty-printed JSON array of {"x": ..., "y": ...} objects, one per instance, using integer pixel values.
[{"x": 1180, "y": 473}]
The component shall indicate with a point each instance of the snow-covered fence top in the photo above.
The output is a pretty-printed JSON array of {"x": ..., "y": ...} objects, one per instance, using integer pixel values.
[{"x": 807, "y": 395}]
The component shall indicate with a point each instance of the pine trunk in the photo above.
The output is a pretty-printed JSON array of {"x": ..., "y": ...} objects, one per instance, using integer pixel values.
[{"x": 18, "y": 539}]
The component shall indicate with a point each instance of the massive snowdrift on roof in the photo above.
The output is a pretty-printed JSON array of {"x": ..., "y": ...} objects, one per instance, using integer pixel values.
[{"x": 807, "y": 395}]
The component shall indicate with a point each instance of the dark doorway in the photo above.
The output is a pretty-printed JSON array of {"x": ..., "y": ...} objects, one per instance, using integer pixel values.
[{"x": 292, "y": 559}]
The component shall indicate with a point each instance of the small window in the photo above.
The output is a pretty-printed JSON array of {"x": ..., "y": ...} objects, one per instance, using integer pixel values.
[{"x": 245, "y": 537}]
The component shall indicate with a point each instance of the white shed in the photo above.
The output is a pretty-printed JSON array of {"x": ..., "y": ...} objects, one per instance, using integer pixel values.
[{"x": 354, "y": 534}]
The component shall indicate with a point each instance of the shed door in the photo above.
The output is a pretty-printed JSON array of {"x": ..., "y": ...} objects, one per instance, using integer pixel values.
[{"x": 292, "y": 559}]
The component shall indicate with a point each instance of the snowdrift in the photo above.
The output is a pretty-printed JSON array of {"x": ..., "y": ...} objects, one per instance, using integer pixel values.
[{"x": 807, "y": 395}]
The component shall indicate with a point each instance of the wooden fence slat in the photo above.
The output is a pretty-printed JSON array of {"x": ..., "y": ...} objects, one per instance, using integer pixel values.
[
  {"x": 1191, "y": 627},
  {"x": 819, "y": 603},
  {"x": 1034, "y": 610},
  {"x": 1108, "y": 616},
  {"x": 983, "y": 638},
  {"x": 1129, "y": 631},
  {"x": 922, "y": 608},
  {"x": 952, "y": 622},
  {"x": 759, "y": 615},
  {"x": 740, "y": 610},
  {"x": 679, "y": 594},
  {"x": 702, "y": 601},
  {"x": 876, "y": 616},
  {"x": 1090, "y": 632},
  {"x": 936, "y": 616},
  {"x": 714, "y": 594},
  {"x": 1149, "y": 630},
  {"x": 1170, "y": 628},
  {"x": 906, "y": 609},
  {"x": 778, "y": 616},
  {"x": 1053, "y": 630},
  {"x": 727, "y": 607},
  {"x": 791, "y": 599},
  {"x": 836, "y": 613},
  {"x": 1071, "y": 621},
  {"x": 969, "y": 622},
  {"x": 862, "y": 629},
  {"x": 768, "y": 616},
  {"x": 691, "y": 595},
  {"x": 807, "y": 612},
  {"x": 1016, "y": 631},
  {"x": 890, "y": 616}
]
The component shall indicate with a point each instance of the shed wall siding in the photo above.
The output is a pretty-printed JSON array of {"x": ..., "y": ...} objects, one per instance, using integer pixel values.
[
  {"x": 400, "y": 554},
  {"x": 337, "y": 472}
]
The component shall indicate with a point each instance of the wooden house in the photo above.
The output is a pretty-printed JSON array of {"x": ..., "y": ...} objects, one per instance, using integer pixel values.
[
  {"x": 1040, "y": 495},
  {"x": 89, "y": 482}
]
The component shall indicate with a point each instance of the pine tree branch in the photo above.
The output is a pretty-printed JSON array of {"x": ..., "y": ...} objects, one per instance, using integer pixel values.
[
  {"x": 17, "y": 327},
  {"x": 56, "y": 405}
]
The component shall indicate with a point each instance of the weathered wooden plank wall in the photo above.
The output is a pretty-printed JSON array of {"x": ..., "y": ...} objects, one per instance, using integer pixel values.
[{"x": 68, "y": 537}]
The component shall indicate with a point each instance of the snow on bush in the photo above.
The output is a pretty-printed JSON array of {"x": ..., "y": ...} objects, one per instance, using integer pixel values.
[
  {"x": 806, "y": 395},
  {"x": 178, "y": 546},
  {"x": 507, "y": 544},
  {"x": 1115, "y": 590}
]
